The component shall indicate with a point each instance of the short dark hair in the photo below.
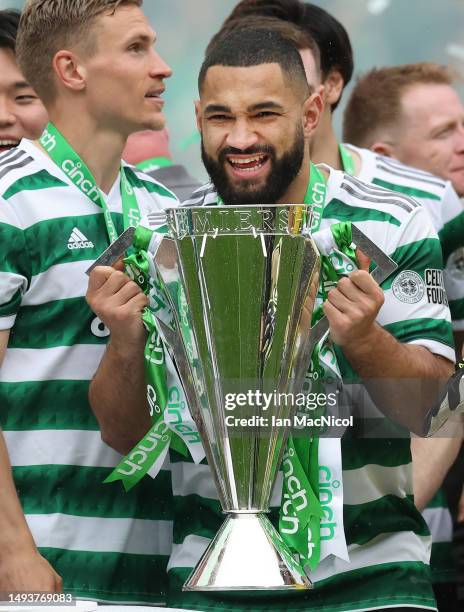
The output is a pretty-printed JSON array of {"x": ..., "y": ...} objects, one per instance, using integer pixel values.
[
  {"x": 333, "y": 42},
  {"x": 375, "y": 102},
  {"x": 248, "y": 46},
  {"x": 296, "y": 35},
  {"x": 330, "y": 36},
  {"x": 9, "y": 22}
]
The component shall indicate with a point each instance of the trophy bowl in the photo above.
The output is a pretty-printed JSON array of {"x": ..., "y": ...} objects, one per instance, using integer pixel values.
[{"x": 241, "y": 283}]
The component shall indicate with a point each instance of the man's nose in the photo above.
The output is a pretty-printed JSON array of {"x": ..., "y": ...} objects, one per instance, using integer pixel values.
[
  {"x": 460, "y": 139},
  {"x": 241, "y": 136},
  {"x": 7, "y": 117},
  {"x": 160, "y": 68}
]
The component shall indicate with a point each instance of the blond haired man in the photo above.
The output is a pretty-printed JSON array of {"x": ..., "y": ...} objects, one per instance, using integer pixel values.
[{"x": 62, "y": 200}]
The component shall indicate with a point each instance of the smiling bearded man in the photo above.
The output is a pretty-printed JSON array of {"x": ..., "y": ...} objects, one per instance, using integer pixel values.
[
  {"x": 253, "y": 109},
  {"x": 254, "y": 106}
]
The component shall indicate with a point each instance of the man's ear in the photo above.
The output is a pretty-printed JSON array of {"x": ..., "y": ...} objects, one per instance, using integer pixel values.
[
  {"x": 382, "y": 148},
  {"x": 197, "y": 105},
  {"x": 312, "y": 113},
  {"x": 69, "y": 70},
  {"x": 333, "y": 87}
]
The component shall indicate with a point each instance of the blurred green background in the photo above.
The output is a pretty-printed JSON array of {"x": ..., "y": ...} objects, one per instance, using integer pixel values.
[{"x": 382, "y": 32}]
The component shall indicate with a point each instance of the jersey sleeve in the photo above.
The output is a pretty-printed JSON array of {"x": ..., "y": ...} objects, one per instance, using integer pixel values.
[
  {"x": 416, "y": 307},
  {"x": 15, "y": 272}
]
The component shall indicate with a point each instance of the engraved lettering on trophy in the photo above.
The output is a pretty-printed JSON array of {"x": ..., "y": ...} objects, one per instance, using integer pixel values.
[
  {"x": 224, "y": 216},
  {"x": 282, "y": 220},
  {"x": 244, "y": 221},
  {"x": 202, "y": 222},
  {"x": 268, "y": 219}
]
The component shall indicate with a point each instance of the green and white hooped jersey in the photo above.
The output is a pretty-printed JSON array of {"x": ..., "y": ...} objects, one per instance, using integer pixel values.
[
  {"x": 441, "y": 202},
  {"x": 106, "y": 544},
  {"x": 438, "y": 518},
  {"x": 388, "y": 540}
]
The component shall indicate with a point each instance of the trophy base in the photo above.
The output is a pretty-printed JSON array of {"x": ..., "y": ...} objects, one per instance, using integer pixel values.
[{"x": 247, "y": 554}]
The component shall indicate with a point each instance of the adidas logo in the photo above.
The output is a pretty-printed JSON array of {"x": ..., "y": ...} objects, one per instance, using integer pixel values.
[{"x": 77, "y": 240}]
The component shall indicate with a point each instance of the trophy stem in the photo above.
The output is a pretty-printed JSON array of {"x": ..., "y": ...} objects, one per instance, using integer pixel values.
[{"x": 247, "y": 554}]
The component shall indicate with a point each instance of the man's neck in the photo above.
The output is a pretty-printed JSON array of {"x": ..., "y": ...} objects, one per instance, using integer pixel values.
[
  {"x": 325, "y": 148},
  {"x": 100, "y": 150},
  {"x": 296, "y": 192}
]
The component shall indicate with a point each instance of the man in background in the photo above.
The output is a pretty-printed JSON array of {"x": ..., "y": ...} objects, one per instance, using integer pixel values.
[
  {"x": 93, "y": 64},
  {"x": 413, "y": 113},
  {"x": 22, "y": 115}
]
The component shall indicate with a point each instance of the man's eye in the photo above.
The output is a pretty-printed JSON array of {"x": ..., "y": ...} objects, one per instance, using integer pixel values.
[
  {"x": 444, "y": 133},
  {"x": 266, "y": 114},
  {"x": 25, "y": 99},
  {"x": 136, "y": 47},
  {"x": 217, "y": 118}
]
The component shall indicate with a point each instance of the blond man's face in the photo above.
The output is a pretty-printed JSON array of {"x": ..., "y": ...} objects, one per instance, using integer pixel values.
[{"x": 125, "y": 76}]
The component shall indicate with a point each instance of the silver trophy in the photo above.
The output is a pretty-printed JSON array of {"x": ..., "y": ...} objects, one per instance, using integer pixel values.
[{"x": 241, "y": 283}]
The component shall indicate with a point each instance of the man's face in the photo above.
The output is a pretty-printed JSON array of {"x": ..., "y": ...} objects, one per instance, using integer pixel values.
[
  {"x": 253, "y": 139},
  {"x": 22, "y": 114},
  {"x": 125, "y": 76},
  {"x": 431, "y": 132}
]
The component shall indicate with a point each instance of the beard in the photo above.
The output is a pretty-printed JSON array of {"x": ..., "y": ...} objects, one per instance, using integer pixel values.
[{"x": 282, "y": 174}]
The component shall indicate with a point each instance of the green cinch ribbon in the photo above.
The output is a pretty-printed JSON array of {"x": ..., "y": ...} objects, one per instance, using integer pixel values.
[
  {"x": 145, "y": 454},
  {"x": 158, "y": 439},
  {"x": 64, "y": 156},
  {"x": 301, "y": 511},
  {"x": 347, "y": 161}
]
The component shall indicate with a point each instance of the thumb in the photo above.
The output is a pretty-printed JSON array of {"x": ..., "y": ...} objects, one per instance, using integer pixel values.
[
  {"x": 363, "y": 260},
  {"x": 119, "y": 265}
]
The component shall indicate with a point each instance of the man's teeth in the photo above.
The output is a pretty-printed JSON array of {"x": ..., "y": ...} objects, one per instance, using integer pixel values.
[
  {"x": 8, "y": 143},
  {"x": 248, "y": 164},
  {"x": 248, "y": 160}
]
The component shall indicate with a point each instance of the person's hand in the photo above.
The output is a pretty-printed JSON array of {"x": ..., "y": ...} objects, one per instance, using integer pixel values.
[
  {"x": 119, "y": 303},
  {"x": 352, "y": 306},
  {"x": 28, "y": 571}
]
